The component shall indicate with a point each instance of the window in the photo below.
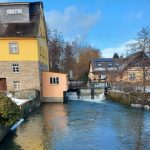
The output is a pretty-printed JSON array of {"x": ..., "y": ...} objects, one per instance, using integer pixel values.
[
  {"x": 100, "y": 65},
  {"x": 13, "y": 48},
  {"x": 16, "y": 85},
  {"x": 137, "y": 65},
  {"x": 14, "y": 11},
  {"x": 117, "y": 65},
  {"x": 15, "y": 68},
  {"x": 40, "y": 51},
  {"x": 54, "y": 80},
  {"x": 110, "y": 65},
  {"x": 132, "y": 76},
  {"x": 148, "y": 76}
]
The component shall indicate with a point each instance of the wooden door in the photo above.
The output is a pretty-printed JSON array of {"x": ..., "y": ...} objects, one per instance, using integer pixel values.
[{"x": 3, "y": 85}]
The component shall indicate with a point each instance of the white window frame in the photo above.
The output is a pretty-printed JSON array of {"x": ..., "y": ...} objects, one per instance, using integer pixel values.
[
  {"x": 54, "y": 80},
  {"x": 16, "y": 85},
  {"x": 14, "y": 11},
  {"x": 132, "y": 76},
  {"x": 13, "y": 48},
  {"x": 110, "y": 65},
  {"x": 117, "y": 65},
  {"x": 15, "y": 68},
  {"x": 100, "y": 65}
]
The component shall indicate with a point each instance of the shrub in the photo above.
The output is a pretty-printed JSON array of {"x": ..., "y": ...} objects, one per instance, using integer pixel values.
[{"x": 9, "y": 111}]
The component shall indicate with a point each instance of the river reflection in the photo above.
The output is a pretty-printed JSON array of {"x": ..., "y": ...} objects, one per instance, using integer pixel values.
[
  {"x": 82, "y": 126},
  {"x": 54, "y": 124}
]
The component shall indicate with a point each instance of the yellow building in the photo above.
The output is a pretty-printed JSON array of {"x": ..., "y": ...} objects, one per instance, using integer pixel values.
[
  {"x": 23, "y": 46},
  {"x": 132, "y": 70}
]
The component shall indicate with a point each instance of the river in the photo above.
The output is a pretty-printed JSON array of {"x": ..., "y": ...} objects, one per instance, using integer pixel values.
[{"x": 82, "y": 125}]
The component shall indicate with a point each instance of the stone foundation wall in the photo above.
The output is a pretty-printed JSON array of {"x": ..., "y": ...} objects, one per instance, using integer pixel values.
[
  {"x": 28, "y": 74},
  {"x": 120, "y": 97},
  {"x": 25, "y": 94},
  {"x": 129, "y": 98},
  {"x": 53, "y": 99},
  {"x": 3, "y": 132},
  {"x": 26, "y": 109}
]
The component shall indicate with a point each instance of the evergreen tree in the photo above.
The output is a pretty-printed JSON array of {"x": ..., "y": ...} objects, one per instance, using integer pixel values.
[{"x": 116, "y": 55}]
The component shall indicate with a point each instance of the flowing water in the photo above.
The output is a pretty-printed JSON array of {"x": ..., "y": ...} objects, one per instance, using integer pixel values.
[{"x": 82, "y": 125}]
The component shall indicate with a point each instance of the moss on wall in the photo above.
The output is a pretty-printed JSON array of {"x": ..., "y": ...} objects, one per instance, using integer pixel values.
[
  {"x": 28, "y": 107},
  {"x": 120, "y": 97}
]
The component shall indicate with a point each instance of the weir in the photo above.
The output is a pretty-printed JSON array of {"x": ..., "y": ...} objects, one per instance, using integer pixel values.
[{"x": 93, "y": 95}]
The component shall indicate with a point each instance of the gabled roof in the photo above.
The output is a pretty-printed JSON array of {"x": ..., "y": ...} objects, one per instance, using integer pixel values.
[
  {"x": 95, "y": 63},
  {"x": 129, "y": 59},
  {"x": 100, "y": 60},
  {"x": 139, "y": 53}
]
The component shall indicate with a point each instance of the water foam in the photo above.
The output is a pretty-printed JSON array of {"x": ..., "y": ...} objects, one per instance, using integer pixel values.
[{"x": 97, "y": 98}]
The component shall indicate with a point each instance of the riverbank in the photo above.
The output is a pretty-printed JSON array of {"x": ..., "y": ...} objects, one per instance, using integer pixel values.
[
  {"x": 26, "y": 108},
  {"x": 3, "y": 132},
  {"x": 131, "y": 99}
]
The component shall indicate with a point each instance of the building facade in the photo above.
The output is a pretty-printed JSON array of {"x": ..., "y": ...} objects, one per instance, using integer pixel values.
[
  {"x": 132, "y": 69},
  {"x": 103, "y": 70},
  {"x": 53, "y": 86},
  {"x": 23, "y": 46},
  {"x": 126, "y": 70}
]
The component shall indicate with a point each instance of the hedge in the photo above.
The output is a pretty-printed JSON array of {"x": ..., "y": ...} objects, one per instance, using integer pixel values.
[{"x": 9, "y": 111}]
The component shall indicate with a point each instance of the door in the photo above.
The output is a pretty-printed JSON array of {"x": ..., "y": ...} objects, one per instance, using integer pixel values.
[{"x": 3, "y": 85}]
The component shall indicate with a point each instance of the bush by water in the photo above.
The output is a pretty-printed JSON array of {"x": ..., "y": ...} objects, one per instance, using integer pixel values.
[{"x": 9, "y": 111}]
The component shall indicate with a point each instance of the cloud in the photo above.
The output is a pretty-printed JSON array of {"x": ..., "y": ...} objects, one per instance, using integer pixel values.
[
  {"x": 3, "y": 1},
  {"x": 139, "y": 15},
  {"x": 135, "y": 15},
  {"x": 120, "y": 49},
  {"x": 72, "y": 20}
]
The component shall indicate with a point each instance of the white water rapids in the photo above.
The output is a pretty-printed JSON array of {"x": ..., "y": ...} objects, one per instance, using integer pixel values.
[{"x": 97, "y": 98}]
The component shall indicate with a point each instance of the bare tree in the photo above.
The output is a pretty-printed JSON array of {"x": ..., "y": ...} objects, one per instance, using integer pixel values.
[
  {"x": 56, "y": 49},
  {"x": 66, "y": 57},
  {"x": 142, "y": 43},
  {"x": 69, "y": 59}
]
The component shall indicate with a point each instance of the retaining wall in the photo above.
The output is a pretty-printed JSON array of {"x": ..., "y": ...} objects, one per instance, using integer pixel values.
[
  {"x": 26, "y": 108},
  {"x": 129, "y": 98},
  {"x": 120, "y": 97},
  {"x": 3, "y": 132},
  {"x": 53, "y": 99}
]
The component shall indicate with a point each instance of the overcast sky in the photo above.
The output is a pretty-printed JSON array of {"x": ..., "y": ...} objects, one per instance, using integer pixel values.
[{"x": 107, "y": 24}]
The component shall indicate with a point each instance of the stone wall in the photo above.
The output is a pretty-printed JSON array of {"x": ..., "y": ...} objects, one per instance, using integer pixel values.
[
  {"x": 26, "y": 108},
  {"x": 87, "y": 91},
  {"x": 3, "y": 132},
  {"x": 25, "y": 94},
  {"x": 120, "y": 97},
  {"x": 129, "y": 98},
  {"x": 53, "y": 99},
  {"x": 28, "y": 76}
]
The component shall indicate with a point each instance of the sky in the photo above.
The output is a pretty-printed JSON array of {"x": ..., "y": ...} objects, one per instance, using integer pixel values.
[{"x": 107, "y": 25}]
